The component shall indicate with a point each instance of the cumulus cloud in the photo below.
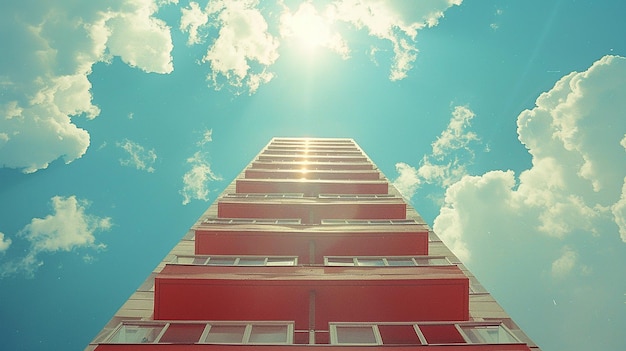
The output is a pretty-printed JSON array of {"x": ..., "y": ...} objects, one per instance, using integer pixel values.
[
  {"x": 68, "y": 228},
  {"x": 138, "y": 156},
  {"x": 395, "y": 21},
  {"x": 192, "y": 20},
  {"x": 44, "y": 82},
  {"x": 563, "y": 265},
  {"x": 4, "y": 243},
  {"x": 243, "y": 50},
  {"x": 207, "y": 136},
  {"x": 195, "y": 181},
  {"x": 451, "y": 153},
  {"x": 575, "y": 186}
]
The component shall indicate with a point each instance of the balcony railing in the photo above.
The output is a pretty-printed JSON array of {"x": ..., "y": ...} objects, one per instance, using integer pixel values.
[
  {"x": 338, "y": 333},
  {"x": 391, "y": 261},
  {"x": 242, "y": 260},
  {"x": 368, "y": 221},
  {"x": 252, "y": 221}
]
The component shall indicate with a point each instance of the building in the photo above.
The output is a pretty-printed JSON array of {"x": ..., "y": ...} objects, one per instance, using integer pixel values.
[{"x": 311, "y": 246}]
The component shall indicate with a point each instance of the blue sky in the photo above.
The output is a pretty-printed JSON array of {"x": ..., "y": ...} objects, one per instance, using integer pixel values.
[{"x": 503, "y": 122}]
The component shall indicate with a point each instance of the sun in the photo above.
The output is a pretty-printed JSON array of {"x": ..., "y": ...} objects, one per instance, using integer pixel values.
[{"x": 307, "y": 28}]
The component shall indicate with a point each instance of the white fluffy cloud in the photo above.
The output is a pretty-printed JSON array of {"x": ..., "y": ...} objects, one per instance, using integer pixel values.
[
  {"x": 195, "y": 181},
  {"x": 192, "y": 20},
  {"x": 396, "y": 21},
  {"x": 138, "y": 156},
  {"x": 44, "y": 81},
  {"x": 4, "y": 243},
  {"x": 451, "y": 153},
  {"x": 575, "y": 185},
  {"x": 244, "y": 49},
  {"x": 68, "y": 228}
]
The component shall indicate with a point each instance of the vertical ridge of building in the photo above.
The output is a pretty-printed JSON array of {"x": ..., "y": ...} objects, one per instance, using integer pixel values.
[{"x": 311, "y": 246}]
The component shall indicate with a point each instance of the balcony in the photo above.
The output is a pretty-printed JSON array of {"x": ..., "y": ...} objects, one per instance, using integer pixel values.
[
  {"x": 283, "y": 237},
  {"x": 325, "y": 294},
  {"x": 285, "y": 157},
  {"x": 252, "y": 173},
  {"x": 311, "y": 187},
  {"x": 298, "y": 165},
  {"x": 311, "y": 211},
  {"x": 282, "y": 335}
]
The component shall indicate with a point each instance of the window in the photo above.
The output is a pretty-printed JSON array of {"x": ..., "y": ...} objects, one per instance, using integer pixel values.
[
  {"x": 354, "y": 334},
  {"x": 250, "y": 333},
  {"x": 238, "y": 260},
  {"x": 181, "y": 332},
  {"x": 420, "y": 333},
  {"x": 488, "y": 334},
  {"x": 368, "y": 221},
  {"x": 396, "y": 261},
  {"x": 252, "y": 221},
  {"x": 136, "y": 334}
]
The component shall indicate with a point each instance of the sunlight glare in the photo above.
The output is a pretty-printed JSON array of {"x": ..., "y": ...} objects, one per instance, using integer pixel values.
[{"x": 307, "y": 27}]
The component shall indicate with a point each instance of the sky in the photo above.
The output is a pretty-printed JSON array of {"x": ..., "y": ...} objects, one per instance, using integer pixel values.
[{"x": 503, "y": 122}]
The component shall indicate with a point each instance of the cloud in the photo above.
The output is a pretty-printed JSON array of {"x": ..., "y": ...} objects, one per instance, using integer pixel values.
[
  {"x": 195, "y": 181},
  {"x": 139, "y": 157},
  {"x": 67, "y": 229},
  {"x": 396, "y": 21},
  {"x": 44, "y": 81},
  {"x": 408, "y": 180},
  {"x": 311, "y": 30},
  {"x": 4, "y": 243},
  {"x": 575, "y": 187},
  {"x": 243, "y": 50},
  {"x": 563, "y": 265},
  {"x": 451, "y": 153},
  {"x": 207, "y": 136},
  {"x": 191, "y": 21}
]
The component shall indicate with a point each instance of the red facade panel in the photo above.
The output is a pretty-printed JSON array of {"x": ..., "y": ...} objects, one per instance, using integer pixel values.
[
  {"x": 302, "y": 243},
  {"x": 311, "y": 187},
  {"x": 312, "y": 174},
  {"x": 355, "y": 294},
  {"x": 311, "y": 212},
  {"x": 312, "y": 165}
]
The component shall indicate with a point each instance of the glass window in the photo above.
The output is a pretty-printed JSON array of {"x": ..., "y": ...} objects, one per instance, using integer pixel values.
[
  {"x": 251, "y": 261},
  {"x": 340, "y": 261},
  {"x": 222, "y": 261},
  {"x": 355, "y": 334},
  {"x": 269, "y": 334},
  {"x": 490, "y": 334},
  {"x": 182, "y": 333},
  {"x": 136, "y": 334},
  {"x": 401, "y": 261},
  {"x": 398, "y": 334},
  {"x": 370, "y": 261},
  {"x": 226, "y": 334},
  {"x": 281, "y": 261}
]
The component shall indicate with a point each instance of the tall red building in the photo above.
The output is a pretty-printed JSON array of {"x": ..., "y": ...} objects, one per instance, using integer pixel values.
[{"x": 311, "y": 247}]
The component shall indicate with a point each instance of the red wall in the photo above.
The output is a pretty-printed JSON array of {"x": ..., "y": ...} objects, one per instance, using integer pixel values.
[
  {"x": 282, "y": 293},
  {"x": 309, "y": 188},
  {"x": 311, "y": 212},
  {"x": 298, "y": 243},
  {"x": 312, "y": 174}
]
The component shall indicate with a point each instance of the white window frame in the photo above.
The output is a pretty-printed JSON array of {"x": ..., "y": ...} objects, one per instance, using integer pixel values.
[
  {"x": 355, "y": 260},
  {"x": 334, "y": 336},
  {"x": 236, "y": 260},
  {"x": 164, "y": 325}
]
